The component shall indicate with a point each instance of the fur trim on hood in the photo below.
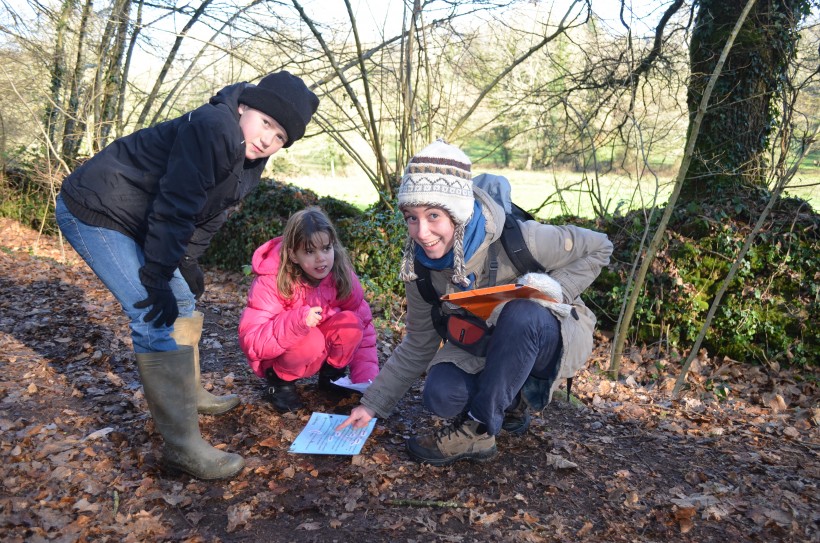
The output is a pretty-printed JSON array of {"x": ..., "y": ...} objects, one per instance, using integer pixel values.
[{"x": 547, "y": 285}]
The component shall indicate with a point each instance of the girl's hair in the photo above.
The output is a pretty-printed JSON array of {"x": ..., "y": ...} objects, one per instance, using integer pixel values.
[{"x": 300, "y": 232}]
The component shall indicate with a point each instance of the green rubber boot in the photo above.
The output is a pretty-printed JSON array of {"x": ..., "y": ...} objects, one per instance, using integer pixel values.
[
  {"x": 170, "y": 390},
  {"x": 188, "y": 331}
]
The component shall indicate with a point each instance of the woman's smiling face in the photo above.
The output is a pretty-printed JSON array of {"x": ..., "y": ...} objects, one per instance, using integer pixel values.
[{"x": 431, "y": 228}]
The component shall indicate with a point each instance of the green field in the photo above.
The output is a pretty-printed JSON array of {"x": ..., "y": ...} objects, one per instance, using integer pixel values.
[{"x": 531, "y": 189}]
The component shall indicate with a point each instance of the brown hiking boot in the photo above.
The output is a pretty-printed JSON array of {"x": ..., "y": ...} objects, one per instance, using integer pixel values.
[{"x": 465, "y": 439}]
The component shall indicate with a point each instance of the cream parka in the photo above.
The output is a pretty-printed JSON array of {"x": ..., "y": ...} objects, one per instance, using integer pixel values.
[{"x": 572, "y": 256}]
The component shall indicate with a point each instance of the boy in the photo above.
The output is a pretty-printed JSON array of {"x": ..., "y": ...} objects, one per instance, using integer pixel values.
[{"x": 140, "y": 213}]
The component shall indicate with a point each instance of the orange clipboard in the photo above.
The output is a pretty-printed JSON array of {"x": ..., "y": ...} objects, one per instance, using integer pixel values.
[{"x": 482, "y": 301}]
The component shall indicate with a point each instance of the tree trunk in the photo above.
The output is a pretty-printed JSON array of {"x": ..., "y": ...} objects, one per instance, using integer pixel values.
[
  {"x": 628, "y": 309},
  {"x": 74, "y": 124},
  {"x": 729, "y": 153},
  {"x": 113, "y": 77},
  {"x": 57, "y": 72},
  {"x": 126, "y": 68}
]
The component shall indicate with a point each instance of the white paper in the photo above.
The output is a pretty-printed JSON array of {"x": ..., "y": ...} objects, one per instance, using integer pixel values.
[
  {"x": 319, "y": 436},
  {"x": 347, "y": 383}
]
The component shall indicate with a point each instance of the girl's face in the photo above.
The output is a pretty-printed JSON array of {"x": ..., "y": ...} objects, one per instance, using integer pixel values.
[
  {"x": 432, "y": 228},
  {"x": 316, "y": 261},
  {"x": 263, "y": 135}
]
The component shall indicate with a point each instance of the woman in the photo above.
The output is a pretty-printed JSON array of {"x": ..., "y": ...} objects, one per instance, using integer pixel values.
[{"x": 451, "y": 229}]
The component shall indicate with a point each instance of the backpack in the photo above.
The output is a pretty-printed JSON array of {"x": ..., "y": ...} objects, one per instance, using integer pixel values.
[{"x": 512, "y": 241}]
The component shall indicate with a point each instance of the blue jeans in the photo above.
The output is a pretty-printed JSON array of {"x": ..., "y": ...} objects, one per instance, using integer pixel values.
[
  {"x": 526, "y": 341},
  {"x": 116, "y": 259}
]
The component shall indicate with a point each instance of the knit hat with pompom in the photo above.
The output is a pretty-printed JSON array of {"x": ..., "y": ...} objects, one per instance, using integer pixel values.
[{"x": 440, "y": 175}]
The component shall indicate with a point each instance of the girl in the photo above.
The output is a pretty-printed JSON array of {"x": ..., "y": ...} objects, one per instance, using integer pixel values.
[
  {"x": 452, "y": 229},
  {"x": 306, "y": 312}
]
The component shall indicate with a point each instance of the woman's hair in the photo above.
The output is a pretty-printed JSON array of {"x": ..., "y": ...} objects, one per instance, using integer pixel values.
[{"x": 300, "y": 232}]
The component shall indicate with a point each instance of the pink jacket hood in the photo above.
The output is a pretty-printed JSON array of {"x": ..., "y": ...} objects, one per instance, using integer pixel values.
[{"x": 265, "y": 259}]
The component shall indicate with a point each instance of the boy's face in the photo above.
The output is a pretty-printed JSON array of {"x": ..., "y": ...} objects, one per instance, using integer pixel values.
[
  {"x": 317, "y": 260},
  {"x": 263, "y": 135},
  {"x": 431, "y": 228}
]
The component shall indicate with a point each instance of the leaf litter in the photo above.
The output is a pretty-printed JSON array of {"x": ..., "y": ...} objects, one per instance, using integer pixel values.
[{"x": 622, "y": 462}]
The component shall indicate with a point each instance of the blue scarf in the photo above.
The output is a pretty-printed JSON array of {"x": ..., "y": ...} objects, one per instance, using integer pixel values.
[{"x": 474, "y": 234}]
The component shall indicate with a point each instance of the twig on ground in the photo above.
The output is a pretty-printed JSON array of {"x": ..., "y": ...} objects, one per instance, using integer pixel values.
[{"x": 426, "y": 503}]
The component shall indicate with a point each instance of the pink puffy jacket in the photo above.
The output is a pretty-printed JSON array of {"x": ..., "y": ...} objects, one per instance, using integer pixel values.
[{"x": 270, "y": 324}]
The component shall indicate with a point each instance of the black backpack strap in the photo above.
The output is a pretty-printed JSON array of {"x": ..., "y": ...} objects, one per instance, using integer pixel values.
[
  {"x": 425, "y": 283},
  {"x": 492, "y": 256},
  {"x": 517, "y": 251}
]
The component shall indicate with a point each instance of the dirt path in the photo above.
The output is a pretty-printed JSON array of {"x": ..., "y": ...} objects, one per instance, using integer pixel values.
[{"x": 79, "y": 460}]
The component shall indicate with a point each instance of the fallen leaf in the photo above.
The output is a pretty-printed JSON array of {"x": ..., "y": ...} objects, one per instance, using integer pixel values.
[
  {"x": 695, "y": 501},
  {"x": 559, "y": 462},
  {"x": 238, "y": 515},
  {"x": 381, "y": 458},
  {"x": 83, "y": 505},
  {"x": 684, "y": 516},
  {"x": 490, "y": 518},
  {"x": 780, "y": 517},
  {"x": 270, "y": 442},
  {"x": 714, "y": 512},
  {"x": 98, "y": 434},
  {"x": 114, "y": 379},
  {"x": 776, "y": 403},
  {"x": 357, "y": 460}
]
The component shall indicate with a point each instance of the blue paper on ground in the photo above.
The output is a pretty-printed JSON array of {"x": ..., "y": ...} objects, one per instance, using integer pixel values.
[{"x": 320, "y": 436}]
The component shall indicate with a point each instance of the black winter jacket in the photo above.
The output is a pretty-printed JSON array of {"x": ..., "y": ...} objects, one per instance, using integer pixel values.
[{"x": 168, "y": 187}]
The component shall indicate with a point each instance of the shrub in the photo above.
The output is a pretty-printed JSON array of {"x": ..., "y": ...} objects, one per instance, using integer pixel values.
[
  {"x": 25, "y": 196},
  {"x": 375, "y": 241},
  {"x": 262, "y": 216},
  {"x": 771, "y": 311}
]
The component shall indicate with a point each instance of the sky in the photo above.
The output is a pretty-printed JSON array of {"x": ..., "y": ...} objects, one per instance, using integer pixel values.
[
  {"x": 383, "y": 18},
  {"x": 378, "y": 18},
  {"x": 378, "y": 15}
]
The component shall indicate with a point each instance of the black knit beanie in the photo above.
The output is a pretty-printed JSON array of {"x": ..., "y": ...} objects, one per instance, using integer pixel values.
[{"x": 284, "y": 97}]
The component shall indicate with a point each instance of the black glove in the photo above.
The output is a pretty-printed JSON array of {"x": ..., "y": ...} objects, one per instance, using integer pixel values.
[
  {"x": 160, "y": 298},
  {"x": 192, "y": 273}
]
